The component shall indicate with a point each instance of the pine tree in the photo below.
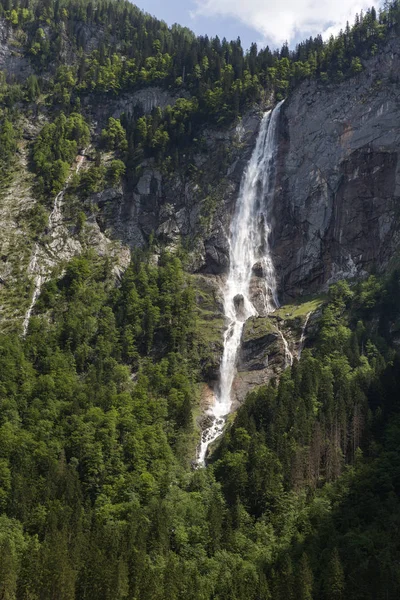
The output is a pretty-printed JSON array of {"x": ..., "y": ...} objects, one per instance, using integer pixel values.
[
  {"x": 304, "y": 579},
  {"x": 334, "y": 585}
]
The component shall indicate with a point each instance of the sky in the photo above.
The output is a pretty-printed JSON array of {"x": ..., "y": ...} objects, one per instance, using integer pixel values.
[{"x": 269, "y": 22}]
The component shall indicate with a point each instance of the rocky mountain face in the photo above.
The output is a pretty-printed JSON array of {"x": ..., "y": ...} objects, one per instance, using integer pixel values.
[
  {"x": 338, "y": 179},
  {"x": 334, "y": 212},
  {"x": 176, "y": 207},
  {"x": 336, "y": 191}
]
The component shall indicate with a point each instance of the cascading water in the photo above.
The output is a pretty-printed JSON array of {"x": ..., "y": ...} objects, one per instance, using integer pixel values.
[
  {"x": 33, "y": 268},
  {"x": 248, "y": 245},
  {"x": 55, "y": 219},
  {"x": 303, "y": 335},
  {"x": 288, "y": 353}
]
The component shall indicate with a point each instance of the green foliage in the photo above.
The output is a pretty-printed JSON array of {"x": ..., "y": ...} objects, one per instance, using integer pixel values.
[
  {"x": 40, "y": 47},
  {"x": 80, "y": 221},
  {"x": 55, "y": 148},
  {"x": 304, "y": 433},
  {"x": 32, "y": 88},
  {"x": 356, "y": 66},
  {"x": 114, "y": 136},
  {"x": 334, "y": 582},
  {"x": 64, "y": 83},
  {"x": 8, "y": 143},
  {"x": 10, "y": 94},
  {"x": 38, "y": 219},
  {"x": 116, "y": 171},
  {"x": 92, "y": 180},
  {"x": 96, "y": 496},
  {"x": 216, "y": 77}
]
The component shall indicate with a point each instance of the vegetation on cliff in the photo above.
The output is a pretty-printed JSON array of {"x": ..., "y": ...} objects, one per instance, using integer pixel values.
[
  {"x": 98, "y": 495},
  {"x": 80, "y": 48}
]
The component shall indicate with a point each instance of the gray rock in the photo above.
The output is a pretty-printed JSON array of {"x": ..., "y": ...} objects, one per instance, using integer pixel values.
[
  {"x": 338, "y": 174},
  {"x": 12, "y": 62}
]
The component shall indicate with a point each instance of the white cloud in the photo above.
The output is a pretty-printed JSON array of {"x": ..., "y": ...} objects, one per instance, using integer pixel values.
[{"x": 277, "y": 21}]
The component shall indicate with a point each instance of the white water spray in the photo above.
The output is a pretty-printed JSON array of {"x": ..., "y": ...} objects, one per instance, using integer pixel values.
[
  {"x": 55, "y": 219},
  {"x": 248, "y": 245},
  {"x": 33, "y": 268},
  {"x": 288, "y": 353},
  {"x": 303, "y": 335}
]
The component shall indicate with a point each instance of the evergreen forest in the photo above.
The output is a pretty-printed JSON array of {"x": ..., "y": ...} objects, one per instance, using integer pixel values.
[{"x": 100, "y": 494}]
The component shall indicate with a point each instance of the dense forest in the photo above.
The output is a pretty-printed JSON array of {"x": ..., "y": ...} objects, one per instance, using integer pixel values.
[{"x": 100, "y": 498}]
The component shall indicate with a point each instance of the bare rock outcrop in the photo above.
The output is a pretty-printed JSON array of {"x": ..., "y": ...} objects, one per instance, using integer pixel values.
[{"x": 338, "y": 178}]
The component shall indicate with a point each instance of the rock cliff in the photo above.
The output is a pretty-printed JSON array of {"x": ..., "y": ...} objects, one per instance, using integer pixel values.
[
  {"x": 334, "y": 214},
  {"x": 338, "y": 179},
  {"x": 191, "y": 205},
  {"x": 336, "y": 192}
]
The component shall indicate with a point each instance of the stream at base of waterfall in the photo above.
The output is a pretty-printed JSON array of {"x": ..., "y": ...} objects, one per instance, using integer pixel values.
[{"x": 248, "y": 245}]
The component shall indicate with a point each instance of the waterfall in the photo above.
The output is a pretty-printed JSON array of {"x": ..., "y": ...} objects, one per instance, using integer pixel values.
[
  {"x": 33, "y": 268},
  {"x": 55, "y": 217},
  {"x": 303, "y": 335},
  {"x": 288, "y": 354},
  {"x": 248, "y": 245},
  {"x": 55, "y": 220}
]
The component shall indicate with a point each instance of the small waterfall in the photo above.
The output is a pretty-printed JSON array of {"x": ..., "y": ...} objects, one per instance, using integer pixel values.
[
  {"x": 33, "y": 268},
  {"x": 248, "y": 245},
  {"x": 303, "y": 335},
  {"x": 288, "y": 354},
  {"x": 55, "y": 219}
]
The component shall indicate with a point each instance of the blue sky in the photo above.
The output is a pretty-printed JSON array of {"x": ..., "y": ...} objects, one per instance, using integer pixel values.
[
  {"x": 182, "y": 12},
  {"x": 263, "y": 21}
]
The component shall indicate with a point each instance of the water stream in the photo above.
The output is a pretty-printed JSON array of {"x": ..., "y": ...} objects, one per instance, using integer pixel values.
[
  {"x": 55, "y": 219},
  {"x": 286, "y": 348},
  {"x": 303, "y": 335},
  {"x": 248, "y": 245},
  {"x": 33, "y": 268}
]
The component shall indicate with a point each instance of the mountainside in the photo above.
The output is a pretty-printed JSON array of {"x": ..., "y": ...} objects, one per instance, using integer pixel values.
[
  {"x": 335, "y": 213},
  {"x": 199, "y": 310}
]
